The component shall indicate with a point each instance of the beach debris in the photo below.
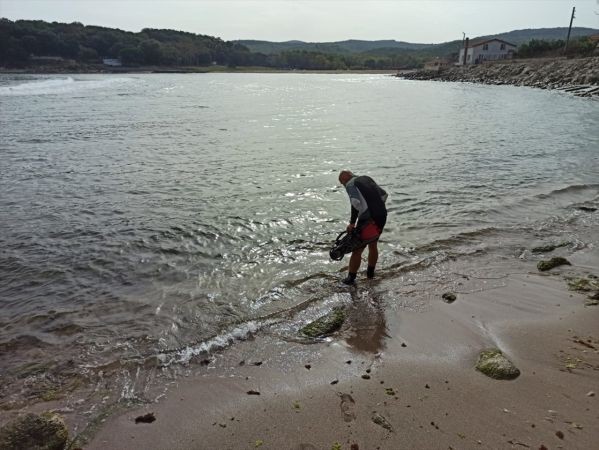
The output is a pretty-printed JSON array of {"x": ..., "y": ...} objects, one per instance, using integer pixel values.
[
  {"x": 257, "y": 363},
  {"x": 553, "y": 262},
  {"x": 426, "y": 386},
  {"x": 347, "y": 407},
  {"x": 549, "y": 248},
  {"x": 389, "y": 391},
  {"x": 146, "y": 418},
  {"x": 251, "y": 392},
  {"x": 258, "y": 443},
  {"x": 591, "y": 394},
  {"x": 381, "y": 421},
  {"x": 308, "y": 366},
  {"x": 449, "y": 297},
  {"x": 336, "y": 446},
  {"x": 514, "y": 442},
  {"x": 325, "y": 325},
  {"x": 586, "y": 208},
  {"x": 296, "y": 405},
  {"x": 586, "y": 344},
  {"x": 494, "y": 364},
  {"x": 205, "y": 362},
  {"x": 366, "y": 376},
  {"x": 32, "y": 431},
  {"x": 354, "y": 446},
  {"x": 335, "y": 381},
  {"x": 403, "y": 344},
  {"x": 591, "y": 303},
  {"x": 559, "y": 434}
]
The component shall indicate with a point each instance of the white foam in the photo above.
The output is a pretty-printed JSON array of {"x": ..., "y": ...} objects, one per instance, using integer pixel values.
[{"x": 59, "y": 86}]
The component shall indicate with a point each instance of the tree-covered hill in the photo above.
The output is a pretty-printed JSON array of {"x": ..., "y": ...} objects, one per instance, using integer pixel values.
[
  {"x": 21, "y": 39},
  {"x": 516, "y": 37},
  {"x": 74, "y": 46}
]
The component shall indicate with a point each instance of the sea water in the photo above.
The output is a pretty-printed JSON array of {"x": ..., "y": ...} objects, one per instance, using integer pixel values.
[{"x": 146, "y": 219}]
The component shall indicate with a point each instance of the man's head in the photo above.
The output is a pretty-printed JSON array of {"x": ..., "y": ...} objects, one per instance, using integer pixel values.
[{"x": 345, "y": 176}]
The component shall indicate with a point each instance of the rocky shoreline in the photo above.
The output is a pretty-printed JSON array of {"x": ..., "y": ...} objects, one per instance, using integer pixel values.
[{"x": 578, "y": 76}]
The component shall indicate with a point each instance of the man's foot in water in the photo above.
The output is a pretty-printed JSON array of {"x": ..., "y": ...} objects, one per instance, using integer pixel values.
[
  {"x": 350, "y": 279},
  {"x": 370, "y": 272}
]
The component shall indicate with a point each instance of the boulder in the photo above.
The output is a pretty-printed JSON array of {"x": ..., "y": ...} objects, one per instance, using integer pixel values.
[
  {"x": 35, "y": 432},
  {"x": 325, "y": 325},
  {"x": 494, "y": 364},
  {"x": 553, "y": 262}
]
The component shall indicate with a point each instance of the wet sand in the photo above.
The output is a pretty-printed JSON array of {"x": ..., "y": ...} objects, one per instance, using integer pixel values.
[{"x": 400, "y": 374}]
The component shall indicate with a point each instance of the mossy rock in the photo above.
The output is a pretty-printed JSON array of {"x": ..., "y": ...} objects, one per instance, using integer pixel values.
[
  {"x": 493, "y": 364},
  {"x": 325, "y": 325},
  {"x": 35, "y": 432},
  {"x": 583, "y": 284},
  {"x": 553, "y": 262}
]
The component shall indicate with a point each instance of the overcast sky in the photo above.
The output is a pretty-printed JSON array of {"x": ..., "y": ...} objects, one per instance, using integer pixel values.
[{"x": 314, "y": 20}]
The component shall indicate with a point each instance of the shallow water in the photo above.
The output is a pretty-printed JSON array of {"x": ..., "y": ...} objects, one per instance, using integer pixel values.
[{"x": 148, "y": 218}]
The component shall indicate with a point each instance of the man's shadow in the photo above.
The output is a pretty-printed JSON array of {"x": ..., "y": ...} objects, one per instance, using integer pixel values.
[{"x": 367, "y": 322}]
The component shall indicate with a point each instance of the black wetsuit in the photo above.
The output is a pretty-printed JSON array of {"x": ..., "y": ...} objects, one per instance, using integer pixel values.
[{"x": 367, "y": 201}]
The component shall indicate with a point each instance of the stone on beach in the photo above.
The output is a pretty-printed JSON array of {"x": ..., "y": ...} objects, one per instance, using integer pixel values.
[
  {"x": 449, "y": 297},
  {"x": 35, "y": 432},
  {"x": 494, "y": 364},
  {"x": 325, "y": 325},
  {"x": 553, "y": 262}
]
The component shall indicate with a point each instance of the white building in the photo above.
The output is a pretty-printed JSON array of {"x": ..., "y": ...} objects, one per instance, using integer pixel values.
[
  {"x": 112, "y": 62},
  {"x": 490, "y": 50}
]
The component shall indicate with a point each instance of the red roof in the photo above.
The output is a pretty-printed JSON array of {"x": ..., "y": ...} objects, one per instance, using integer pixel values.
[{"x": 477, "y": 44}]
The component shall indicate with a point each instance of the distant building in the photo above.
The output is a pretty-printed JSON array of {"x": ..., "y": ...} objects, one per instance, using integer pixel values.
[
  {"x": 489, "y": 50},
  {"x": 436, "y": 64},
  {"x": 112, "y": 62}
]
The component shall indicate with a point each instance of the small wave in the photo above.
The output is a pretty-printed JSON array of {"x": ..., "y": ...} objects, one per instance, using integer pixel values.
[
  {"x": 573, "y": 189},
  {"x": 57, "y": 86}
]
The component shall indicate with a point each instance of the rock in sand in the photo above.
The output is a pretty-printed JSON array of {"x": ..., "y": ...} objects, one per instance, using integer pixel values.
[
  {"x": 35, "y": 432},
  {"x": 492, "y": 363}
]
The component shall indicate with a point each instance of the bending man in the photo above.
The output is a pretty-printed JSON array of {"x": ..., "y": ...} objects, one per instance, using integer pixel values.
[{"x": 368, "y": 215}]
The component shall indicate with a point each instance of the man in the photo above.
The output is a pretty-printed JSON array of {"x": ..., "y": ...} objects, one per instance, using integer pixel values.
[{"x": 368, "y": 215}]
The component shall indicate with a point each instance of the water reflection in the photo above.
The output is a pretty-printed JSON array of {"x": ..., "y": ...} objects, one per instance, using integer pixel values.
[{"x": 367, "y": 322}]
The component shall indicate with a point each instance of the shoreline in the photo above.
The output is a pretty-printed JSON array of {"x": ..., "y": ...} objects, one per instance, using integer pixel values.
[
  {"x": 579, "y": 76},
  {"x": 181, "y": 70},
  {"x": 398, "y": 375}
]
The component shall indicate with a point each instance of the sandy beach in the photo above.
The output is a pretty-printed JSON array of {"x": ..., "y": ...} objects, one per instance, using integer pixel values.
[{"x": 400, "y": 374}]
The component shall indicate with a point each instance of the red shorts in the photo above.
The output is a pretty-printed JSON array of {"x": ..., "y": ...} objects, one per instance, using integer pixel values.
[{"x": 370, "y": 232}]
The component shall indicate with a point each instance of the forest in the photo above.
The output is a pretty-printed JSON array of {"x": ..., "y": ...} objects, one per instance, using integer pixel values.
[{"x": 24, "y": 43}]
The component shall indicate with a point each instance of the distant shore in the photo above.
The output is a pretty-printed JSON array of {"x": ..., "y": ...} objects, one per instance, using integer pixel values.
[
  {"x": 580, "y": 75},
  {"x": 100, "y": 69}
]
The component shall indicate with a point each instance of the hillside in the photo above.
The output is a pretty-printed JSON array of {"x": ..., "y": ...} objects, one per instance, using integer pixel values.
[{"x": 360, "y": 46}]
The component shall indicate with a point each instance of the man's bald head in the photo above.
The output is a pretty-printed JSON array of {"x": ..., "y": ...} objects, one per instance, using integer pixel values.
[{"x": 345, "y": 176}]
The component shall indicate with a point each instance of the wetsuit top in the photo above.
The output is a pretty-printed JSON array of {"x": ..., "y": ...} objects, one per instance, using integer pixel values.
[{"x": 367, "y": 201}]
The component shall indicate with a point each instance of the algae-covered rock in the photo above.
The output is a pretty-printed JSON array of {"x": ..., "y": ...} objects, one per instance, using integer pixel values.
[
  {"x": 35, "y": 432},
  {"x": 326, "y": 324},
  {"x": 493, "y": 364},
  {"x": 548, "y": 248},
  {"x": 553, "y": 262}
]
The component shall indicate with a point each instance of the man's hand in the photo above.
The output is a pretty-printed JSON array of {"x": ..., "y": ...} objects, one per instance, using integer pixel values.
[{"x": 350, "y": 227}]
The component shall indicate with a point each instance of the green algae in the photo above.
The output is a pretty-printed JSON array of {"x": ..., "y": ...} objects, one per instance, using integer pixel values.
[
  {"x": 582, "y": 283},
  {"x": 549, "y": 247},
  {"x": 35, "y": 432},
  {"x": 325, "y": 325},
  {"x": 494, "y": 364},
  {"x": 553, "y": 262}
]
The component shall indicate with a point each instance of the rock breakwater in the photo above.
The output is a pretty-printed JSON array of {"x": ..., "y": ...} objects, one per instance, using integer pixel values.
[{"x": 578, "y": 76}]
